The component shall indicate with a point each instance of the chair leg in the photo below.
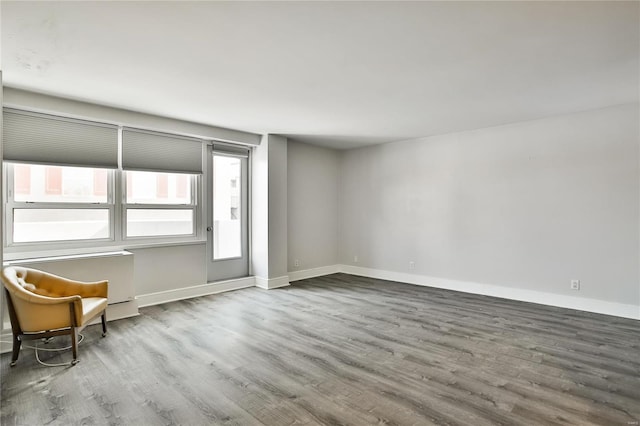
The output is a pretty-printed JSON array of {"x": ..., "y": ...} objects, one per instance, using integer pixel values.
[
  {"x": 16, "y": 331},
  {"x": 74, "y": 334},
  {"x": 16, "y": 350},
  {"x": 104, "y": 323},
  {"x": 74, "y": 345}
]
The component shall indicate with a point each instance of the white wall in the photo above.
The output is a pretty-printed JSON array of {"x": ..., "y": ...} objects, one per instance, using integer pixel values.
[
  {"x": 260, "y": 209},
  {"x": 159, "y": 269},
  {"x": 269, "y": 212},
  {"x": 529, "y": 206},
  {"x": 277, "y": 206},
  {"x": 312, "y": 188}
]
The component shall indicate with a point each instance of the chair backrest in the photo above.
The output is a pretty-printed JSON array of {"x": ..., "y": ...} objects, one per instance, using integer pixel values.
[
  {"x": 28, "y": 290},
  {"x": 19, "y": 279},
  {"x": 23, "y": 282}
]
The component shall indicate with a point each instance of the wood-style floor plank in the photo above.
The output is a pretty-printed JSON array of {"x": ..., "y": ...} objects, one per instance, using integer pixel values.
[{"x": 338, "y": 349}]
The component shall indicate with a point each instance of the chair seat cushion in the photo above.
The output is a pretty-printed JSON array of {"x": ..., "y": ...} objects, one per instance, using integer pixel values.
[{"x": 91, "y": 307}]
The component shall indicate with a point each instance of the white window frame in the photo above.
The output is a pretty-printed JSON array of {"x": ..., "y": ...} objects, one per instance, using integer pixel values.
[
  {"x": 117, "y": 207},
  {"x": 12, "y": 205},
  {"x": 194, "y": 207}
]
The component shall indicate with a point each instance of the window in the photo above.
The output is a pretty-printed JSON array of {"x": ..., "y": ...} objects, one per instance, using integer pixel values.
[
  {"x": 156, "y": 222},
  {"x": 227, "y": 226},
  {"x": 59, "y": 203},
  {"x": 158, "y": 188},
  {"x": 53, "y": 184},
  {"x": 159, "y": 204},
  {"x": 38, "y": 225},
  {"x": 161, "y": 173},
  {"x": 55, "y": 203},
  {"x": 75, "y": 183}
]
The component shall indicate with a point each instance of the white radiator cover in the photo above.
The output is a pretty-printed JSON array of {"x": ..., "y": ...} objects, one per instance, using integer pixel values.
[{"x": 117, "y": 267}]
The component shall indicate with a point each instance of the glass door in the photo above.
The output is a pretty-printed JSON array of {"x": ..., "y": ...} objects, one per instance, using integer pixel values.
[{"x": 227, "y": 229}]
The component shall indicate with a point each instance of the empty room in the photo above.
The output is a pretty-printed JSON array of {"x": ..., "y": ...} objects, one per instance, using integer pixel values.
[{"x": 318, "y": 213}]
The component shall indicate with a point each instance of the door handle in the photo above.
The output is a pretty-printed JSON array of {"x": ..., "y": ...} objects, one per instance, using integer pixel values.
[{"x": 209, "y": 228}]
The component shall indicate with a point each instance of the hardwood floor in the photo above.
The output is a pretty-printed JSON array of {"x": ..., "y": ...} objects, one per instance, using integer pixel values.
[{"x": 339, "y": 349}]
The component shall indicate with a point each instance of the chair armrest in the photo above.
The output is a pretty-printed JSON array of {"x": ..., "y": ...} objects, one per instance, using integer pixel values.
[{"x": 36, "y": 312}]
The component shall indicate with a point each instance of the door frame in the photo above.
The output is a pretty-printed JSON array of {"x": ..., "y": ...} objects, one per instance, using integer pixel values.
[{"x": 237, "y": 267}]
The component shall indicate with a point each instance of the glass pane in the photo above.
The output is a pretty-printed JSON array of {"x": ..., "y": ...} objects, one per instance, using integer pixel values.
[
  {"x": 30, "y": 225},
  {"x": 227, "y": 236},
  {"x": 158, "y": 188},
  {"x": 150, "y": 222},
  {"x": 57, "y": 184}
]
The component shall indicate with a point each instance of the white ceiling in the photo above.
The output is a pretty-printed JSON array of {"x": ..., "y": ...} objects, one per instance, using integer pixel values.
[{"x": 341, "y": 74}]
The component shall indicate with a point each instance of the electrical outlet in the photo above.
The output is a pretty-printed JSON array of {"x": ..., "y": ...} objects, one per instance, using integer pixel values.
[
  {"x": 412, "y": 265},
  {"x": 575, "y": 284},
  {"x": 355, "y": 259},
  {"x": 296, "y": 263}
]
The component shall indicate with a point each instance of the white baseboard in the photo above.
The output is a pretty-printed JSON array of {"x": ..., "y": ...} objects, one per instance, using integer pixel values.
[
  {"x": 314, "y": 272},
  {"x": 523, "y": 295},
  {"x": 194, "y": 291},
  {"x": 122, "y": 310},
  {"x": 271, "y": 283}
]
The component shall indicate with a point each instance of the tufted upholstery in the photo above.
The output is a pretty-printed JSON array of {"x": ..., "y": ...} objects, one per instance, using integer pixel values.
[{"x": 41, "y": 303}]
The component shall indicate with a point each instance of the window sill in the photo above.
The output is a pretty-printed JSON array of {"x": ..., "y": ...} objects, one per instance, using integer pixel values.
[
  {"x": 151, "y": 244},
  {"x": 95, "y": 251},
  {"x": 64, "y": 257}
]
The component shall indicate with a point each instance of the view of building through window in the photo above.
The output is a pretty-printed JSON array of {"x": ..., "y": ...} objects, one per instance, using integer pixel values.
[
  {"x": 158, "y": 188},
  {"x": 227, "y": 235},
  {"x": 51, "y": 184},
  {"x": 30, "y": 225},
  {"x": 155, "y": 222},
  {"x": 72, "y": 197},
  {"x": 57, "y": 203},
  {"x": 155, "y": 188}
]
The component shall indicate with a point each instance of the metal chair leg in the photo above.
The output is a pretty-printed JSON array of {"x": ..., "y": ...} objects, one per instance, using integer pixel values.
[{"x": 104, "y": 323}]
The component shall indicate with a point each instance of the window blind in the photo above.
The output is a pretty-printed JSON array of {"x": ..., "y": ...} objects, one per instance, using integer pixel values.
[
  {"x": 41, "y": 138},
  {"x": 232, "y": 150},
  {"x": 160, "y": 152}
]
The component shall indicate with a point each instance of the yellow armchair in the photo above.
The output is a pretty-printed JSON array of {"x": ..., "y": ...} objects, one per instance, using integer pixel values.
[{"x": 45, "y": 305}]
